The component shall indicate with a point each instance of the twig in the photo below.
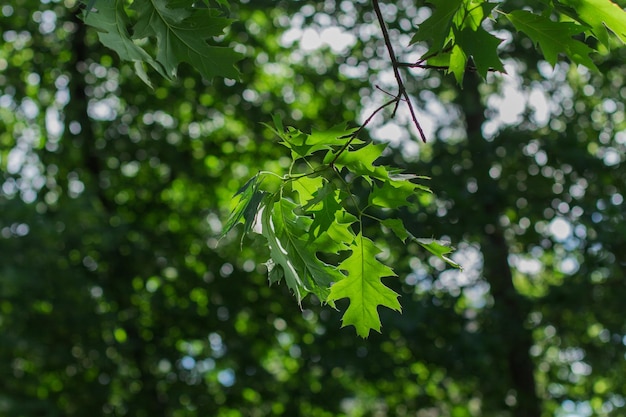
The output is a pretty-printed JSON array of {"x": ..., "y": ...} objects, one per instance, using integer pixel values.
[
  {"x": 354, "y": 134},
  {"x": 394, "y": 62}
]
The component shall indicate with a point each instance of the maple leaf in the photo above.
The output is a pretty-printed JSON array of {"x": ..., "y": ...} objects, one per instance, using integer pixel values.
[
  {"x": 364, "y": 288},
  {"x": 307, "y": 187},
  {"x": 286, "y": 235},
  {"x": 392, "y": 194},
  {"x": 181, "y": 35},
  {"x": 437, "y": 26},
  {"x": 482, "y": 47},
  {"x": 110, "y": 20},
  {"x": 330, "y": 228},
  {"x": 599, "y": 15},
  {"x": 475, "y": 12},
  {"x": 553, "y": 37},
  {"x": 361, "y": 162},
  {"x": 302, "y": 144}
]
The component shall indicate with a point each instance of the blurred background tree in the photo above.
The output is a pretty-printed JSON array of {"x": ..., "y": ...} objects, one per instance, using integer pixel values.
[{"x": 116, "y": 299}]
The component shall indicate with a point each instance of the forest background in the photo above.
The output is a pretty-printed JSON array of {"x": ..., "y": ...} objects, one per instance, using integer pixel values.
[{"x": 117, "y": 296}]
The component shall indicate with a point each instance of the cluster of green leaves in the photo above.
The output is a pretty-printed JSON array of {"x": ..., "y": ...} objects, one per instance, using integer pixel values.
[
  {"x": 456, "y": 31},
  {"x": 310, "y": 216},
  {"x": 180, "y": 29},
  {"x": 313, "y": 220}
]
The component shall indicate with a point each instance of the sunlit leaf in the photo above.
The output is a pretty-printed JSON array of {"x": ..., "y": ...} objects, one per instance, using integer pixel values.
[
  {"x": 392, "y": 194},
  {"x": 397, "y": 227},
  {"x": 286, "y": 234},
  {"x": 599, "y": 15},
  {"x": 439, "y": 248},
  {"x": 306, "y": 187},
  {"x": 330, "y": 228},
  {"x": 364, "y": 288}
]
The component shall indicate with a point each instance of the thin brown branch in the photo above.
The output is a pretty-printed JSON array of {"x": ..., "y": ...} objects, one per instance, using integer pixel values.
[
  {"x": 396, "y": 71},
  {"x": 354, "y": 134}
]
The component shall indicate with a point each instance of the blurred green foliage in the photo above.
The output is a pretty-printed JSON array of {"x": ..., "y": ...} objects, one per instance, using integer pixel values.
[{"x": 115, "y": 298}]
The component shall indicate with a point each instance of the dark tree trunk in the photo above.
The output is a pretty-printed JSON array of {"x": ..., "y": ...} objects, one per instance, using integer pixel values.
[{"x": 510, "y": 310}]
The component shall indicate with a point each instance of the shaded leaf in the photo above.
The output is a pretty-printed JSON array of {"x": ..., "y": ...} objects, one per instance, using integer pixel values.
[
  {"x": 553, "y": 37},
  {"x": 303, "y": 145},
  {"x": 247, "y": 205},
  {"x": 482, "y": 47},
  {"x": 111, "y": 21},
  {"x": 181, "y": 35},
  {"x": 437, "y": 27}
]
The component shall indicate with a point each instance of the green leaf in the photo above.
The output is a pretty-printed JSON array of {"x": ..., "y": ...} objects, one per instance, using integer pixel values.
[
  {"x": 275, "y": 272},
  {"x": 181, "y": 35},
  {"x": 286, "y": 234},
  {"x": 247, "y": 205},
  {"x": 330, "y": 229},
  {"x": 437, "y": 26},
  {"x": 335, "y": 136},
  {"x": 599, "y": 15},
  {"x": 397, "y": 227},
  {"x": 553, "y": 37},
  {"x": 303, "y": 145},
  {"x": 361, "y": 161},
  {"x": 482, "y": 47},
  {"x": 439, "y": 248},
  {"x": 392, "y": 194},
  {"x": 458, "y": 62},
  {"x": 364, "y": 288},
  {"x": 475, "y": 12},
  {"x": 111, "y": 21},
  {"x": 306, "y": 187}
]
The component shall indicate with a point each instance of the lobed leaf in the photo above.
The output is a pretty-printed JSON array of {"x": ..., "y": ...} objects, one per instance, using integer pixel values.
[
  {"x": 110, "y": 20},
  {"x": 181, "y": 34},
  {"x": 330, "y": 229},
  {"x": 437, "y": 27},
  {"x": 286, "y": 234},
  {"x": 482, "y": 47},
  {"x": 553, "y": 37},
  {"x": 599, "y": 15},
  {"x": 364, "y": 288}
]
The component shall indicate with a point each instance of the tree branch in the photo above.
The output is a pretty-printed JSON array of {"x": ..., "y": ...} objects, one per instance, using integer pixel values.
[{"x": 396, "y": 71}]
